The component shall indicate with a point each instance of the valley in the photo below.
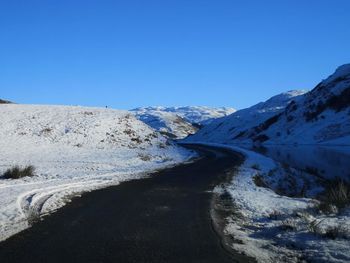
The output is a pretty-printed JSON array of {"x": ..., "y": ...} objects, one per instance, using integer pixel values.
[{"x": 269, "y": 183}]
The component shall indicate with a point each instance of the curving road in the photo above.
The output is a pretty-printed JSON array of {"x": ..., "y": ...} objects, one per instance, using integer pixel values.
[{"x": 164, "y": 218}]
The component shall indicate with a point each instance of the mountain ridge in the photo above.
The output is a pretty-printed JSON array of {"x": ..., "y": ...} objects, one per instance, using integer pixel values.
[
  {"x": 318, "y": 116},
  {"x": 179, "y": 122}
]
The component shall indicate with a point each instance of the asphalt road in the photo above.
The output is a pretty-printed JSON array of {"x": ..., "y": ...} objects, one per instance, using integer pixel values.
[{"x": 164, "y": 218}]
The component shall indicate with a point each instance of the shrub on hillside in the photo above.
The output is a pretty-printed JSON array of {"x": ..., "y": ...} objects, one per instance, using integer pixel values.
[{"x": 259, "y": 181}]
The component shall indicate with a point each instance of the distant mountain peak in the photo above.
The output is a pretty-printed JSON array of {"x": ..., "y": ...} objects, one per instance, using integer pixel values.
[
  {"x": 5, "y": 101},
  {"x": 340, "y": 73},
  {"x": 193, "y": 114},
  {"x": 179, "y": 122},
  {"x": 286, "y": 96}
]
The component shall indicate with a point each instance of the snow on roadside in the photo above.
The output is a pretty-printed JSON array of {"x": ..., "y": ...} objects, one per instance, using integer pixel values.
[
  {"x": 273, "y": 227},
  {"x": 73, "y": 150}
]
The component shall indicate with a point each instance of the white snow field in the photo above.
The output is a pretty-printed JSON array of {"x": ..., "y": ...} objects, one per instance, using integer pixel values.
[
  {"x": 272, "y": 224},
  {"x": 73, "y": 149}
]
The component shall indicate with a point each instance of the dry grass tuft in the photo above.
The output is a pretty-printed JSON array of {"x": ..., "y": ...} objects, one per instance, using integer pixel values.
[
  {"x": 336, "y": 196},
  {"x": 16, "y": 172}
]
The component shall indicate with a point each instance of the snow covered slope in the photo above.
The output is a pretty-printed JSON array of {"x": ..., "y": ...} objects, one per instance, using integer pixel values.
[
  {"x": 168, "y": 124},
  {"x": 320, "y": 116},
  {"x": 232, "y": 128},
  {"x": 73, "y": 149}
]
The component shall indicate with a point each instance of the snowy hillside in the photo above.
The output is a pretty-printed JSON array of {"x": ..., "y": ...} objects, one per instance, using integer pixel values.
[
  {"x": 73, "y": 149},
  {"x": 168, "y": 124},
  {"x": 320, "y": 116},
  {"x": 229, "y": 129}
]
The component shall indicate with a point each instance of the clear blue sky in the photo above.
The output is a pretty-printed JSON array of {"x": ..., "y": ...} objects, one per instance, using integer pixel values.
[{"x": 129, "y": 53}]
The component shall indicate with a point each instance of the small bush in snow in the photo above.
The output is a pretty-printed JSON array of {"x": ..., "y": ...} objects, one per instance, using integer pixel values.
[
  {"x": 314, "y": 226},
  {"x": 144, "y": 157},
  {"x": 16, "y": 172},
  {"x": 327, "y": 208},
  {"x": 339, "y": 193},
  {"x": 288, "y": 225},
  {"x": 336, "y": 194},
  {"x": 335, "y": 232},
  {"x": 129, "y": 132},
  {"x": 259, "y": 181},
  {"x": 136, "y": 139},
  {"x": 46, "y": 130},
  {"x": 332, "y": 232},
  {"x": 275, "y": 215}
]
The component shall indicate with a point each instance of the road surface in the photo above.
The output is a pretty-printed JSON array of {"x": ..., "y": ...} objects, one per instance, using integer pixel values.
[{"x": 164, "y": 218}]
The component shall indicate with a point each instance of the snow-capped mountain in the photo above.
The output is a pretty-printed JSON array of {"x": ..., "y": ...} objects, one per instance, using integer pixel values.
[
  {"x": 319, "y": 116},
  {"x": 73, "y": 149},
  {"x": 179, "y": 122},
  {"x": 193, "y": 114},
  {"x": 237, "y": 125},
  {"x": 168, "y": 124}
]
